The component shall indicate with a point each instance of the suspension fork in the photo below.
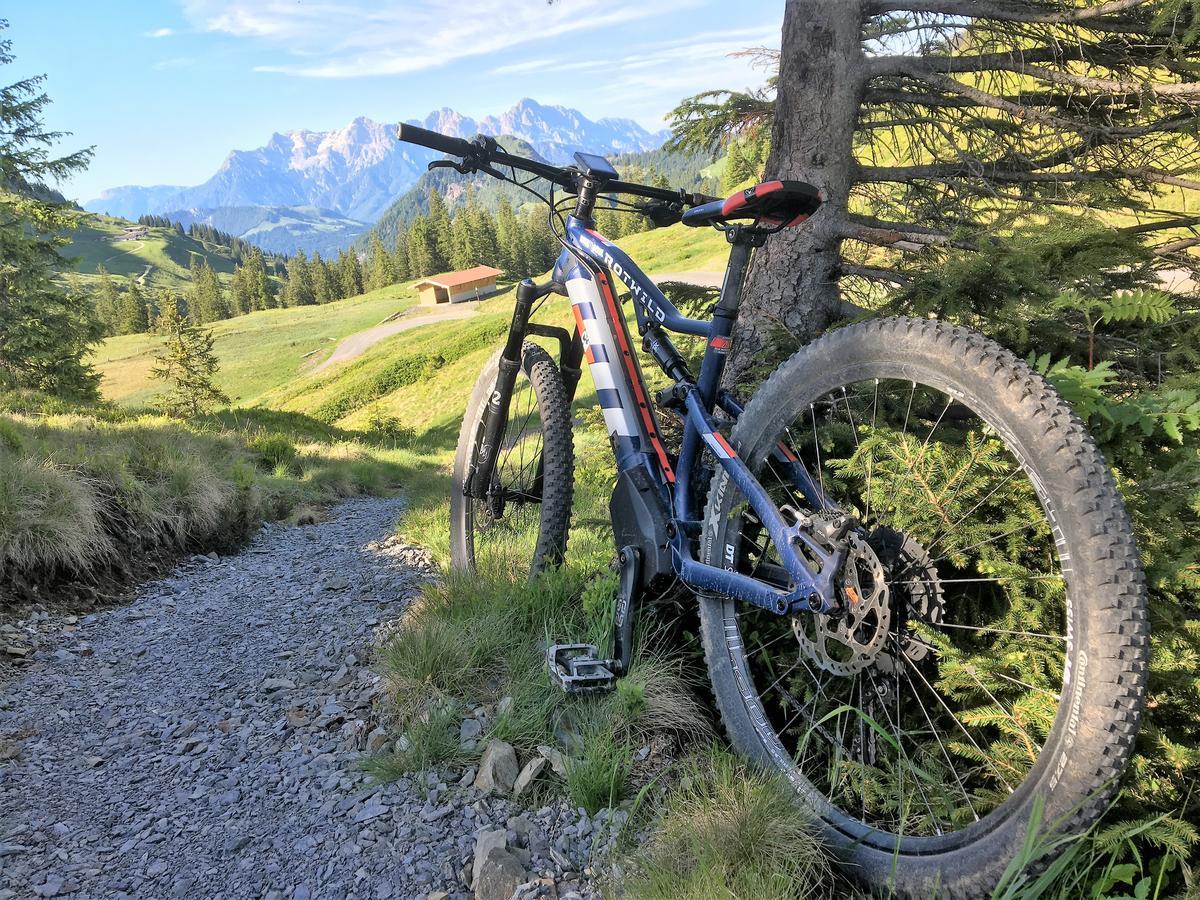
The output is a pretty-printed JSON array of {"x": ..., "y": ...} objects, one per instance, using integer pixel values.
[{"x": 495, "y": 414}]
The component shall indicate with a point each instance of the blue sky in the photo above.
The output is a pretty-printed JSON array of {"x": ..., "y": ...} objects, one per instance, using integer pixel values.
[{"x": 165, "y": 90}]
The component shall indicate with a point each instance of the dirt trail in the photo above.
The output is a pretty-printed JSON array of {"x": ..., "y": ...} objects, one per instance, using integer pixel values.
[{"x": 357, "y": 343}]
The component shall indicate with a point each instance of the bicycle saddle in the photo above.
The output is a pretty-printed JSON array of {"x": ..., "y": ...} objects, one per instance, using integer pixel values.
[{"x": 772, "y": 203}]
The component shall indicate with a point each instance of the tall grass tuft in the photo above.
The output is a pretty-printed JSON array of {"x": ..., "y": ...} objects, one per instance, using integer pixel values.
[
  {"x": 725, "y": 830},
  {"x": 48, "y": 517},
  {"x": 86, "y": 489}
]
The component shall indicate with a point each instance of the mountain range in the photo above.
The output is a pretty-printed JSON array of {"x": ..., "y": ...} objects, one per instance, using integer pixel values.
[{"x": 355, "y": 173}]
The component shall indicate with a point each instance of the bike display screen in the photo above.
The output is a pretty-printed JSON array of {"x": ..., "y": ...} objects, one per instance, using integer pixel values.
[{"x": 595, "y": 165}]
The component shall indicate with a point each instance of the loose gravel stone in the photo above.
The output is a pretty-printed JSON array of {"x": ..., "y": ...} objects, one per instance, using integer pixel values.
[
  {"x": 528, "y": 775},
  {"x": 498, "y": 767},
  {"x": 207, "y": 739}
]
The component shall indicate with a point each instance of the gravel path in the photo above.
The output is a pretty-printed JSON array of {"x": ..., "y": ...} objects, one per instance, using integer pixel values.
[{"x": 205, "y": 741}]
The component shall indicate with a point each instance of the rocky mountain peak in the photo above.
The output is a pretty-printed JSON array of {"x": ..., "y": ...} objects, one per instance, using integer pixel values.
[{"x": 359, "y": 169}]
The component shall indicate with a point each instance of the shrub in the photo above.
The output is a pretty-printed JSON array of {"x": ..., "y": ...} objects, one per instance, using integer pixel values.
[
  {"x": 274, "y": 452},
  {"x": 389, "y": 430}
]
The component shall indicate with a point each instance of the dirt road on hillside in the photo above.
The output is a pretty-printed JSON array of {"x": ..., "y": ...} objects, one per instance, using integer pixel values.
[{"x": 356, "y": 344}]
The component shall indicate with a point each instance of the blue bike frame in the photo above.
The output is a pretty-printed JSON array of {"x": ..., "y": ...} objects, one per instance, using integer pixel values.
[{"x": 586, "y": 268}]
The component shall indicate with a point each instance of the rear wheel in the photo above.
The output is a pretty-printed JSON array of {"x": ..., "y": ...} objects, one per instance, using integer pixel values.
[
  {"x": 520, "y": 525},
  {"x": 992, "y": 656}
]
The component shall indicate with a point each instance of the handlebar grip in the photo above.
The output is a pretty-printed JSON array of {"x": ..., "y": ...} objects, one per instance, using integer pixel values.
[{"x": 411, "y": 134}]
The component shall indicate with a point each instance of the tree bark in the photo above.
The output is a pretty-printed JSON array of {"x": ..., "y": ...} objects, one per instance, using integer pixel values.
[{"x": 793, "y": 279}]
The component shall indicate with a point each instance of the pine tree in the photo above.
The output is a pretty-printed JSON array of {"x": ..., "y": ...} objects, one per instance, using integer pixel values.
[
  {"x": 441, "y": 245},
  {"x": 350, "y": 274},
  {"x": 107, "y": 302},
  {"x": 131, "y": 312},
  {"x": 608, "y": 222},
  {"x": 322, "y": 280},
  {"x": 206, "y": 300},
  {"x": 187, "y": 364},
  {"x": 400, "y": 256},
  {"x": 421, "y": 254},
  {"x": 299, "y": 290},
  {"x": 167, "y": 302},
  {"x": 258, "y": 285},
  {"x": 240, "y": 298},
  {"x": 739, "y": 167},
  {"x": 483, "y": 234},
  {"x": 541, "y": 247},
  {"x": 464, "y": 253},
  {"x": 934, "y": 115},
  {"x": 45, "y": 331},
  {"x": 379, "y": 264},
  {"x": 506, "y": 238}
]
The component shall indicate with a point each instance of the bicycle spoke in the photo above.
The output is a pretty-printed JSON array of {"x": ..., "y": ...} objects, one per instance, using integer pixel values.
[
  {"x": 983, "y": 628},
  {"x": 817, "y": 448},
  {"x": 950, "y": 712},
  {"x": 945, "y": 753},
  {"x": 989, "y": 541},
  {"x": 871, "y": 458},
  {"x": 900, "y": 746}
]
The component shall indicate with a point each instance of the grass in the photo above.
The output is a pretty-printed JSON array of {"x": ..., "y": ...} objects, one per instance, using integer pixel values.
[
  {"x": 469, "y": 642},
  {"x": 258, "y": 352},
  {"x": 265, "y": 355},
  {"x": 716, "y": 828},
  {"x": 725, "y": 830},
  {"x": 85, "y": 491},
  {"x": 678, "y": 249}
]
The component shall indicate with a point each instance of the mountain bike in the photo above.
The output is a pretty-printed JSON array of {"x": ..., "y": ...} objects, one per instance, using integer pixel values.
[{"x": 919, "y": 594}]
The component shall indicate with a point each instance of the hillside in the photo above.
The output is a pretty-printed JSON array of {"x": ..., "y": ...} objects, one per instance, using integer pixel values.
[
  {"x": 258, "y": 351},
  {"x": 279, "y": 229},
  {"x": 163, "y": 256},
  {"x": 265, "y": 355}
]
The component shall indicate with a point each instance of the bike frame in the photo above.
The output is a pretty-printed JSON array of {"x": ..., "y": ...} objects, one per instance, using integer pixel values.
[{"x": 586, "y": 268}]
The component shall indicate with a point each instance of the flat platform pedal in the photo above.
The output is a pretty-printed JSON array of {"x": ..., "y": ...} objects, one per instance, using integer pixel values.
[{"x": 577, "y": 669}]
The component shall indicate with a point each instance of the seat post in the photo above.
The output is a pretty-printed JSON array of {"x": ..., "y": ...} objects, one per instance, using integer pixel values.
[{"x": 742, "y": 241}]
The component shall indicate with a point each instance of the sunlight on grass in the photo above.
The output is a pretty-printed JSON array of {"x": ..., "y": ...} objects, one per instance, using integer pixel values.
[{"x": 728, "y": 831}]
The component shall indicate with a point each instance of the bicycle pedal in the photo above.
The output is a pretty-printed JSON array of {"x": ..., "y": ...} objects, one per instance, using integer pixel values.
[{"x": 577, "y": 669}]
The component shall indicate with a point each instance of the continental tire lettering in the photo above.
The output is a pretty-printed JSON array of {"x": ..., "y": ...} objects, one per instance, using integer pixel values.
[{"x": 1072, "y": 721}]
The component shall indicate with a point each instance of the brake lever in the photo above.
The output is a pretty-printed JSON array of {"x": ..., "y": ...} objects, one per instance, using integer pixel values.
[
  {"x": 465, "y": 167},
  {"x": 660, "y": 213}
]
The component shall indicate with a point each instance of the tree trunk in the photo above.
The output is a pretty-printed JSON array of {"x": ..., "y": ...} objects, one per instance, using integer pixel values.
[{"x": 793, "y": 279}]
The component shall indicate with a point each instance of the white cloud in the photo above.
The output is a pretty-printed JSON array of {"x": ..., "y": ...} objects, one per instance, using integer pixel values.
[
  {"x": 358, "y": 38},
  {"x": 647, "y": 79},
  {"x": 160, "y": 33}
]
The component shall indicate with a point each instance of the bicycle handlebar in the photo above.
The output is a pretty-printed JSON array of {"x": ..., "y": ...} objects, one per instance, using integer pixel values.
[
  {"x": 442, "y": 143},
  {"x": 482, "y": 152}
]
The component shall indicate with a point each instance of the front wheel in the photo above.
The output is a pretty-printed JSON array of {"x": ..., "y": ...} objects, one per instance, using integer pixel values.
[
  {"x": 990, "y": 665},
  {"x": 520, "y": 525}
]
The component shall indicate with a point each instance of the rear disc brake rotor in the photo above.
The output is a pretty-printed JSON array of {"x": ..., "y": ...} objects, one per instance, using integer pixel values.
[{"x": 847, "y": 643}]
